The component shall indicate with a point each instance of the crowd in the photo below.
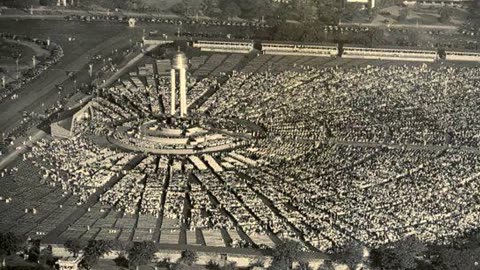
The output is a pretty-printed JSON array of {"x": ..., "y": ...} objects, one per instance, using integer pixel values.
[
  {"x": 328, "y": 196},
  {"x": 396, "y": 104},
  {"x": 360, "y": 154},
  {"x": 77, "y": 165}
]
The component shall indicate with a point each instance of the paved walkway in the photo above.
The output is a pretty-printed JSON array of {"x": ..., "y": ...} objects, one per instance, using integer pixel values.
[
  {"x": 9, "y": 158},
  {"x": 127, "y": 66}
]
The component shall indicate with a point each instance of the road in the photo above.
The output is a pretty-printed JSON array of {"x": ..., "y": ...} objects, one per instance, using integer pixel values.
[
  {"x": 43, "y": 89},
  {"x": 60, "y": 13},
  {"x": 9, "y": 158},
  {"x": 404, "y": 26}
]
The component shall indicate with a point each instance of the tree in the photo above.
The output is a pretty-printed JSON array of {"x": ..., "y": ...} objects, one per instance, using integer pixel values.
[
  {"x": 178, "y": 266},
  {"x": 376, "y": 37},
  {"x": 255, "y": 9},
  {"x": 47, "y": 2},
  {"x": 473, "y": 10},
  {"x": 188, "y": 257},
  {"x": 279, "y": 265},
  {"x": 141, "y": 253},
  {"x": 281, "y": 13},
  {"x": 46, "y": 256},
  {"x": 413, "y": 37},
  {"x": 34, "y": 250},
  {"x": 459, "y": 259},
  {"x": 230, "y": 9},
  {"x": 303, "y": 9},
  {"x": 287, "y": 31},
  {"x": 19, "y": 4},
  {"x": 212, "y": 265},
  {"x": 352, "y": 255},
  {"x": 402, "y": 255},
  {"x": 230, "y": 266},
  {"x": 121, "y": 261},
  {"x": 73, "y": 246},
  {"x": 302, "y": 265},
  {"x": 403, "y": 14},
  {"x": 285, "y": 253},
  {"x": 178, "y": 8},
  {"x": 445, "y": 14},
  {"x": 94, "y": 250},
  {"x": 9, "y": 244},
  {"x": 257, "y": 263},
  {"x": 165, "y": 263},
  {"x": 327, "y": 265},
  {"x": 329, "y": 11}
]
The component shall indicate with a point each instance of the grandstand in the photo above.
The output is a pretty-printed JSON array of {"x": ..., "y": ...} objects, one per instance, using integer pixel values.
[
  {"x": 390, "y": 54},
  {"x": 223, "y": 46},
  {"x": 299, "y": 49},
  {"x": 463, "y": 56}
]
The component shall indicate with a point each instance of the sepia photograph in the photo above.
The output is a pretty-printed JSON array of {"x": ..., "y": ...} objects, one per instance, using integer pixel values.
[{"x": 240, "y": 134}]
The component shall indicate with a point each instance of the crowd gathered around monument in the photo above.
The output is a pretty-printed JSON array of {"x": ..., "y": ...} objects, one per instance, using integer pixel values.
[{"x": 346, "y": 154}]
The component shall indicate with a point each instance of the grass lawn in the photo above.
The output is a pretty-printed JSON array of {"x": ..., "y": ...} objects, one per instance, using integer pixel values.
[{"x": 10, "y": 49}]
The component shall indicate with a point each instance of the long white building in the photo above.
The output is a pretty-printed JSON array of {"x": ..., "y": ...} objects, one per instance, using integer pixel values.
[
  {"x": 390, "y": 54},
  {"x": 299, "y": 49},
  {"x": 224, "y": 46}
]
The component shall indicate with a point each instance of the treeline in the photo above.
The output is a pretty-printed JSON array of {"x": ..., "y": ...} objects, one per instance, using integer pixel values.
[
  {"x": 317, "y": 32},
  {"x": 406, "y": 254},
  {"x": 246, "y": 9},
  {"x": 26, "y": 3},
  {"x": 326, "y": 11}
]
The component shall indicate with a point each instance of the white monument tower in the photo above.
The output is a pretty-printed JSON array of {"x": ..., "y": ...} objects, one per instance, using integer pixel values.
[{"x": 180, "y": 63}]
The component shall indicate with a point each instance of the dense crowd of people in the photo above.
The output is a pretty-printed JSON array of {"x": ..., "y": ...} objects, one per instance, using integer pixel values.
[
  {"x": 345, "y": 154},
  {"x": 396, "y": 104}
]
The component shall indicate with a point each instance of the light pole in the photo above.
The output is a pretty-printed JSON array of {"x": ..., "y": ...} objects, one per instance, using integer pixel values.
[
  {"x": 90, "y": 70},
  {"x": 17, "y": 62}
]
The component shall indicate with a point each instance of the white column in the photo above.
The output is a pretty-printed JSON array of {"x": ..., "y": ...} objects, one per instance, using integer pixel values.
[
  {"x": 172, "y": 92},
  {"x": 183, "y": 92}
]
